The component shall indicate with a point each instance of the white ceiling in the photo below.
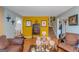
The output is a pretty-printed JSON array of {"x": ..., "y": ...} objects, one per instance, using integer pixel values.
[{"x": 39, "y": 10}]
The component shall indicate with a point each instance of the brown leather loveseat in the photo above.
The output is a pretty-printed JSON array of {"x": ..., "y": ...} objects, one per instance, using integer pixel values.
[
  {"x": 71, "y": 41},
  {"x": 11, "y": 44}
]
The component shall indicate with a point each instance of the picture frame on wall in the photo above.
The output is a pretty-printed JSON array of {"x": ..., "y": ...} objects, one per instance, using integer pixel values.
[
  {"x": 44, "y": 23},
  {"x": 73, "y": 20},
  {"x": 28, "y": 23},
  {"x": 52, "y": 20}
]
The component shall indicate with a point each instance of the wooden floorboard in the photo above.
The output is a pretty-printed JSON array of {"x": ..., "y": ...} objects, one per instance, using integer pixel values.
[{"x": 28, "y": 42}]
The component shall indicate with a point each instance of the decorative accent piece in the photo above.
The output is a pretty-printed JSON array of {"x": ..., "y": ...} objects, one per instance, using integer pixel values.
[
  {"x": 73, "y": 20},
  {"x": 44, "y": 44},
  {"x": 8, "y": 18},
  {"x": 13, "y": 21},
  {"x": 28, "y": 23},
  {"x": 36, "y": 29},
  {"x": 52, "y": 18},
  {"x": 44, "y": 23}
]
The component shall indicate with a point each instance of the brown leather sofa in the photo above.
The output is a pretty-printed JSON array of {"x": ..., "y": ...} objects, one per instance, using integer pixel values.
[
  {"x": 72, "y": 39},
  {"x": 70, "y": 43},
  {"x": 11, "y": 44}
]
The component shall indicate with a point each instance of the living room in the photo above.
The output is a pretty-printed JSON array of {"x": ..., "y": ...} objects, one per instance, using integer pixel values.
[{"x": 35, "y": 29}]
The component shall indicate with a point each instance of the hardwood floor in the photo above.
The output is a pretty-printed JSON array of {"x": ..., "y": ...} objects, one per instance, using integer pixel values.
[
  {"x": 28, "y": 42},
  {"x": 52, "y": 35}
]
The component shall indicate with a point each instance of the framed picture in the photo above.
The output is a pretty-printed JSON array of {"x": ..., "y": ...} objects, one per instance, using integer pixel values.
[
  {"x": 43, "y": 22},
  {"x": 52, "y": 18},
  {"x": 73, "y": 20},
  {"x": 28, "y": 23}
]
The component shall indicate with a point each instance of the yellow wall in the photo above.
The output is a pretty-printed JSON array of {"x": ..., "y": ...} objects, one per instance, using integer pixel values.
[
  {"x": 1, "y": 21},
  {"x": 27, "y": 31}
]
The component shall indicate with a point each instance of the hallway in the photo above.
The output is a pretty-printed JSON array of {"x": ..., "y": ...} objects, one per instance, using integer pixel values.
[
  {"x": 52, "y": 36},
  {"x": 51, "y": 33}
]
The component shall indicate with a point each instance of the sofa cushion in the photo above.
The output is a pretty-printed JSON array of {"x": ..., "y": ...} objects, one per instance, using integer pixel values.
[
  {"x": 71, "y": 38},
  {"x": 18, "y": 41},
  {"x": 3, "y": 42},
  {"x": 14, "y": 48}
]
